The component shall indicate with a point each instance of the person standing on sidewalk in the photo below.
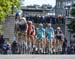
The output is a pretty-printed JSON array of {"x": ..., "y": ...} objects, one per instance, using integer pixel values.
[{"x": 1, "y": 42}]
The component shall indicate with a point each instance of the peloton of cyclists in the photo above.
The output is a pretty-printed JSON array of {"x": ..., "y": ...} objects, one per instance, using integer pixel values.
[{"x": 45, "y": 36}]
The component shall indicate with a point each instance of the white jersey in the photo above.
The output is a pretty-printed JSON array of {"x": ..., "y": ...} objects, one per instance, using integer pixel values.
[{"x": 21, "y": 22}]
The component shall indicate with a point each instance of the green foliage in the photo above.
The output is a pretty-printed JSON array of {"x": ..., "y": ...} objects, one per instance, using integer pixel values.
[
  {"x": 1, "y": 29},
  {"x": 22, "y": 2},
  {"x": 73, "y": 12},
  {"x": 71, "y": 26},
  {"x": 5, "y": 7},
  {"x": 73, "y": 5}
]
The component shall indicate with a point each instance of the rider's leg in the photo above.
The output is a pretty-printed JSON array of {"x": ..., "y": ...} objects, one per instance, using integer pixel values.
[
  {"x": 54, "y": 45},
  {"x": 60, "y": 45},
  {"x": 51, "y": 45},
  {"x": 41, "y": 44},
  {"x": 32, "y": 40},
  {"x": 44, "y": 44}
]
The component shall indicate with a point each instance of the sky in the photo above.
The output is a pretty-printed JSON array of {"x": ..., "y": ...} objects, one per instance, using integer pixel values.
[{"x": 39, "y": 2}]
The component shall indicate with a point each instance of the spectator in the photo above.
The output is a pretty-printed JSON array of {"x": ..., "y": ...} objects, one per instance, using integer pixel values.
[
  {"x": 1, "y": 42},
  {"x": 53, "y": 20},
  {"x": 14, "y": 47},
  {"x": 1, "y": 39},
  {"x": 64, "y": 47},
  {"x": 48, "y": 19},
  {"x": 5, "y": 48}
]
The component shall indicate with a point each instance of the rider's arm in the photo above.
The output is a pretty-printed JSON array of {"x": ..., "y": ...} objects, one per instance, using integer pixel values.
[
  {"x": 53, "y": 32},
  {"x": 34, "y": 30},
  {"x": 44, "y": 32},
  {"x": 16, "y": 27},
  {"x": 26, "y": 27},
  {"x": 62, "y": 37}
]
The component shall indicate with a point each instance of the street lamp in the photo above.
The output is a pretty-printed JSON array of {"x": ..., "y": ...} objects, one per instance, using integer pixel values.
[
  {"x": 68, "y": 5},
  {"x": 13, "y": 8},
  {"x": 66, "y": 14}
]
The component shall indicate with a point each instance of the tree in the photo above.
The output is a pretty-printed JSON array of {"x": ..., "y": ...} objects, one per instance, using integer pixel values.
[
  {"x": 5, "y": 7},
  {"x": 71, "y": 26},
  {"x": 22, "y": 2}
]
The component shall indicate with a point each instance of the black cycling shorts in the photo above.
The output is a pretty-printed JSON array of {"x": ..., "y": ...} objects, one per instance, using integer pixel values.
[
  {"x": 59, "y": 38},
  {"x": 22, "y": 28}
]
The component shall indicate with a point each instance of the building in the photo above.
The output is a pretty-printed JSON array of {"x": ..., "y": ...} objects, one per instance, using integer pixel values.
[
  {"x": 37, "y": 10},
  {"x": 59, "y": 9},
  {"x": 63, "y": 7},
  {"x": 46, "y": 6}
]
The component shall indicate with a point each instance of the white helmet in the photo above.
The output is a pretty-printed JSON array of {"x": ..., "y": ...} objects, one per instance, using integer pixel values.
[
  {"x": 58, "y": 28},
  {"x": 41, "y": 25},
  {"x": 30, "y": 22},
  {"x": 49, "y": 24}
]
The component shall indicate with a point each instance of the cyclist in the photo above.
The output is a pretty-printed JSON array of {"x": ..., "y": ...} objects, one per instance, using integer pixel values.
[
  {"x": 41, "y": 37},
  {"x": 20, "y": 28},
  {"x": 59, "y": 37},
  {"x": 30, "y": 34},
  {"x": 50, "y": 36}
]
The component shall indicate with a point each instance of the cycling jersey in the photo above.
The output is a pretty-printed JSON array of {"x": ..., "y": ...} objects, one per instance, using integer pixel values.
[
  {"x": 58, "y": 34},
  {"x": 40, "y": 33},
  {"x": 30, "y": 30},
  {"x": 49, "y": 33},
  {"x": 21, "y": 25}
]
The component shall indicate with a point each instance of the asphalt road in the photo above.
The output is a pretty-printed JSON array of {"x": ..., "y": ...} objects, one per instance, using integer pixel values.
[{"x": 37, "y": 57}]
